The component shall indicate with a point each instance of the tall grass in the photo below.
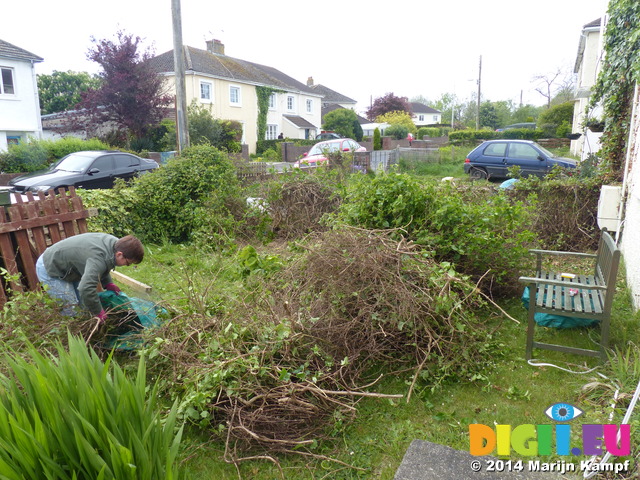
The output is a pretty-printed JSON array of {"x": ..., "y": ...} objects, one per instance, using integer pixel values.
[{"x": 75, "y": 417}]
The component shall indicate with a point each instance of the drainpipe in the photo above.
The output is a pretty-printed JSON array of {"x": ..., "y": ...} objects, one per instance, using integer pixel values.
[{"x": 37, "y": 101}]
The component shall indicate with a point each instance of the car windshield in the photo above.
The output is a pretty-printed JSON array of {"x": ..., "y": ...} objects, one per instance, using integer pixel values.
[
  {"x": 74, "y": 163},
  {"x": 546, "y": 152},
  {"x": 321, "y": 149}
]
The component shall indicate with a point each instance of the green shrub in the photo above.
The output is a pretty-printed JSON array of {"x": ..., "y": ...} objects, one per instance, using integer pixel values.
[
  {"x": 386, "y": 201},
  {"x": 264, "y": 145},
  {"x": 397, "y": 131},
  {"x": 549, "y": 120},
  {"x": 462, "y": 136},
  {"x": 191, "y": 197},
  {"x": 377, "y": 139},
  {"x": 75, "y": 417},
  {"x": 563, "y": 130},
  {"x": 39, "y": 154},
  {"x": 484, "y": 235},
  {"x": 188, "y": 193},
  {"x": 432, "y": 132},
  {"x": 521, "y": 133}
]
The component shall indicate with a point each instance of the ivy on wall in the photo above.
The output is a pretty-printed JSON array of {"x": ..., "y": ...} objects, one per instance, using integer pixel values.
[
  {"x": 620, "y": 71},
  {"x": 263, "y": 93}
]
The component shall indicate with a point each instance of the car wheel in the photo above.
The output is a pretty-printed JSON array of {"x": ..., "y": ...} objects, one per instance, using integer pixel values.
[{"x": 478, "y": 174}]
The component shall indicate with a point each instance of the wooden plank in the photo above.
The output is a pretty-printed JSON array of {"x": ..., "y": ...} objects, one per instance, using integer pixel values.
[
  {"x": 54, "y": 218},
  {"x": 9, "y": 255},
  {"x": 63, "y": 207},
  {"x": 131, "y": 282},
  {"x": 24, "y": 249},
  {"x": 32, "y": 210}
]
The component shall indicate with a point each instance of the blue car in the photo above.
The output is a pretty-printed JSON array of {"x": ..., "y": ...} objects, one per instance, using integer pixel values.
[{"x": 493, "y": 158}]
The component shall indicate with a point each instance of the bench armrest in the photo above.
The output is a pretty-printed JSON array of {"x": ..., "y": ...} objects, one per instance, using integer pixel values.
[
  {"x": 557, "y": 252},
  {"x": 559, "y": 283}
]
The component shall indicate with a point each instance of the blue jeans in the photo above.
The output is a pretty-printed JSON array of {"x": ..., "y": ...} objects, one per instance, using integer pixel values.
[{"x": 65, "y": 292}]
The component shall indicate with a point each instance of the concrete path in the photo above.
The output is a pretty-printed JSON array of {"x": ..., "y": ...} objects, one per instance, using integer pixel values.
[{"x": 431, "y": 461}]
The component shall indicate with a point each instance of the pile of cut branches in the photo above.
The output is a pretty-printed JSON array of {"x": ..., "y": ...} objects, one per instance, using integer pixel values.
[
  {"x": 297, "y": 207},
  {"x": 286, "y": 364}
]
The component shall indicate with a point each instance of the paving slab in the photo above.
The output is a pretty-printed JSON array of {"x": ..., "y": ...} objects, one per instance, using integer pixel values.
[{"x": 432, "y": 461}]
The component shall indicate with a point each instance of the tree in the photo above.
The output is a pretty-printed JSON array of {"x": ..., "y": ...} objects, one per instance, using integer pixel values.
[
  {"x": 448, "y": 105},
  {"x": 551, "y": 119},
  {"x": 62, "y": 91},
  {"x": 398, "y": 118},
  {"x": 488, "y": 116},
  {"x": 131, "y": 95},
  {"x": 206, "y": 130},
  {"x": 377, "y": 139},
  {"x": 552, "y": 84},
  {"x": 388, "y": 103},
  {"x": 342, "y": 121}
]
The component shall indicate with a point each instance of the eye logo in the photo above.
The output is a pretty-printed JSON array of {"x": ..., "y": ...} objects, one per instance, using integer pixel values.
[{"x": 562, "y": 412}]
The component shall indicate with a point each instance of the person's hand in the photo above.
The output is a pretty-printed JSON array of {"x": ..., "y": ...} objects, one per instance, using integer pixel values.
[
  {"x": 113, "y": 287},
  {"x": 102, "y": 316}
]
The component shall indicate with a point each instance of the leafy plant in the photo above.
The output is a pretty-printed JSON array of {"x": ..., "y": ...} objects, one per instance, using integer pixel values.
[
  {"x": 63, "y": 418},
  {"x": 39, "y": 154}
]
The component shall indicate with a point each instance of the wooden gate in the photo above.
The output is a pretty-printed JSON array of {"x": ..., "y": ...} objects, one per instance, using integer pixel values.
[{"x": 29, "y": 226}]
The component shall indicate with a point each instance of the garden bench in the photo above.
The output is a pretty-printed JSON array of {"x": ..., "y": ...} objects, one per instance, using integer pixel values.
[{"x": 579, "y": 296}]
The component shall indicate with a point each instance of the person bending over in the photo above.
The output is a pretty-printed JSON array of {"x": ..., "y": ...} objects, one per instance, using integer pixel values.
[{"x": 72, "y": 268}]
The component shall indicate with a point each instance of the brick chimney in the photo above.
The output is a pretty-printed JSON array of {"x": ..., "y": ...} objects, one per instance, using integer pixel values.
[
  {"x": 215, "y": 46},
  {"x": 310, "y": 82}
]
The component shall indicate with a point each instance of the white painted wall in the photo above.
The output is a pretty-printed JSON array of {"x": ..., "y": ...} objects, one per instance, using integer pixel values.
[
  {"x": 630, "y": 236},
  {"x": 20, "y": 112}
]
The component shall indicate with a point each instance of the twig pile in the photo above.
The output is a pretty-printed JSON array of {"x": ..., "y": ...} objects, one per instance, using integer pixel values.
[{"x": 299, "y": 206}]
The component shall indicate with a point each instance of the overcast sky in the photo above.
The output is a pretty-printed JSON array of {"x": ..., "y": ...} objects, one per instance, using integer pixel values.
[{"x": 360, "y": 49}]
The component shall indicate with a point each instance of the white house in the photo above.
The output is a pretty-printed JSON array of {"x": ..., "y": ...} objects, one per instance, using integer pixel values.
[
  {"x": 423, "y": 115},
  {"x": 19, "y": 103},
  {"x": 586, "y": 69},
  {"x": 228, "y": 87}
]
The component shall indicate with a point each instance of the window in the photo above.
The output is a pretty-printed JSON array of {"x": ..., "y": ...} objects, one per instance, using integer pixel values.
[
  {"x": 206, "y": 91},
  {"x": 104, "y": 163},
  {"x": 435, "y": 119},
  {"x": 309, "y": 106},
  {"x": 272, "y": 101},
  {"x": 421, "y": 118},
  {"x": 496, "y": 150},
  {"x": 7, "y": 86},
  {"x": 234, "y": 95},
  {"x": 290, "y": 103},
  {"x": 522, "y": 150},
  {"x": 272, "y": 132},
  {"x": 13, "y": 140},
  {"x": 124, "y": 161}
]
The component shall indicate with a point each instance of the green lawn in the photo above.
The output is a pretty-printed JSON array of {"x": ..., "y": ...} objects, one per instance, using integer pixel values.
[{"x": 510, "y": 391}]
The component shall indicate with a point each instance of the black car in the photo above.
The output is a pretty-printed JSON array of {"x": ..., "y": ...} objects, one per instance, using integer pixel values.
[
  {"x": 88, "y": 169},
  {"x": 492, "y": 159}
]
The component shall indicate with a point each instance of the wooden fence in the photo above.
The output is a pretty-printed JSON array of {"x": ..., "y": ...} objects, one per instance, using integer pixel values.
[{"x": 28, "y": 227}]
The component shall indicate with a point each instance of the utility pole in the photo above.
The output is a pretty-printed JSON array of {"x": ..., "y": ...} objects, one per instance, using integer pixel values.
[
  {"x": 479, "y": 79},
  {"x": 182, "y": 131}
]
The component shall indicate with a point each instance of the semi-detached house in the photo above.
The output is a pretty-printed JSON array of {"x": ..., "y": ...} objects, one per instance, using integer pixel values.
[
  {"x": 19, "y": 103},
  {"x": 227, "y": 86}
]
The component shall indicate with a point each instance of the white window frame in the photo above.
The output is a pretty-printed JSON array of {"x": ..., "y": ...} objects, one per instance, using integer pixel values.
[
  {"x": 272, "y": 132},
  {"x": 238, "y": 100},
  {"x": 421, "y": 118},
  {"x": 272, "y": 101},
  {"x": 309, "y": 105},
  {"x": 205, "y": 99},
  {"x": 435, "y": 118},
  {"x": 291, "y": 103},
  {"x": 11, "y": 72}
]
